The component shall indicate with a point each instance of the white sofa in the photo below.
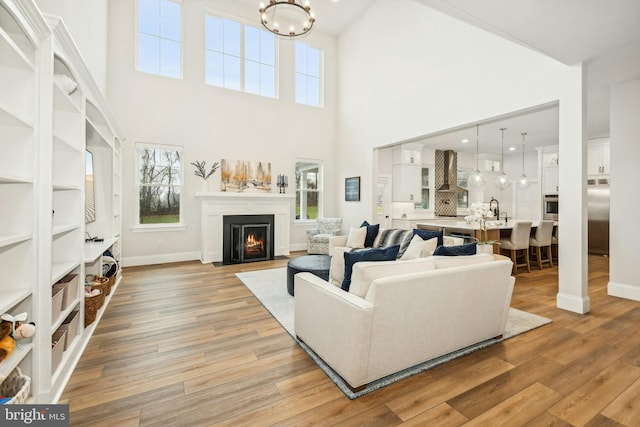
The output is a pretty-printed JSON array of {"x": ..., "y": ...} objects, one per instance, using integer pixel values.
[{"x": 408, "y": 312}]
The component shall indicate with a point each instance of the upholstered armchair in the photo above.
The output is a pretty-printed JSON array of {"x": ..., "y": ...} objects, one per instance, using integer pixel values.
[{"x": 318, "y": 237}]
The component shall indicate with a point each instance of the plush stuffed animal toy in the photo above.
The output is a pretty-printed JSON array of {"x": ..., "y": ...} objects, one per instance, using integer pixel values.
[{"x": 12, "y": 329}]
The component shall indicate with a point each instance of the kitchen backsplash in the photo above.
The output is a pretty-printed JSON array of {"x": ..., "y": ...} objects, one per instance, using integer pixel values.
[{"x": 445, "y": 203}]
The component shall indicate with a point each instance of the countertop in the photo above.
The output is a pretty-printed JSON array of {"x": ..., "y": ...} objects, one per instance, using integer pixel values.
[{"x": 455, "y": 223}]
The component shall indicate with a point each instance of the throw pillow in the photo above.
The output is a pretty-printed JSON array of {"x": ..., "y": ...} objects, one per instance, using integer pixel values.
[
  {"x": 429, "y": 234},
  {"x": 372, "y": 232},
  {"x": 356, "y": 237},
  {"x": 336, "y": 271},
  {"x": 394, "y": 236},
  {"x": 467, "y": 249},
  {"x": 419, "y": 248},
  {"x": 374, "y": 254}
]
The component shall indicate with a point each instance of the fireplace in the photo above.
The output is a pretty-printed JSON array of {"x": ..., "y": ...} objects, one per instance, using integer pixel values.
[{"x": 247, "y": 238}]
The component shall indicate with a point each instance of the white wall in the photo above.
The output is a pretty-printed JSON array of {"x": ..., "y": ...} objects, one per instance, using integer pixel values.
[
  {"x": 86, "y": 20},
  {"x": 406, "y": 70},
  {"x": 211, "y": 123},
  {"x": 624, "y": 205}
]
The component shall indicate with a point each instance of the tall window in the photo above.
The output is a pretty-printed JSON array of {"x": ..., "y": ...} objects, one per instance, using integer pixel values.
[
  {"x": 240, "y": 57},
  {"x": 159, "y": 184},
  {"x": 308, "y": 76},
  {"x": 159, "y": 28},
  {"x": 308, "y": 190}
]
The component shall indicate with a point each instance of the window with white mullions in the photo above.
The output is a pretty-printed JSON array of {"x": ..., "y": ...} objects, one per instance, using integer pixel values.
[
  {"x": 308, "y": 75},
  {"x": 240, "y": 57},
  {"x": 159, "y": 182},
  {"x": 308, "y": 190},
  {"x": 159, "y": 37}
]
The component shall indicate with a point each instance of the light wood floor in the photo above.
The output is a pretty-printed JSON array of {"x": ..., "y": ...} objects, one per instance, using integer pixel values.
[{"x": 187, "y": 344}]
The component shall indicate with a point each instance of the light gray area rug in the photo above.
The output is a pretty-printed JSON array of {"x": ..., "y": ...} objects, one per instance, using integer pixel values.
[{"x": 270, "y": 287}]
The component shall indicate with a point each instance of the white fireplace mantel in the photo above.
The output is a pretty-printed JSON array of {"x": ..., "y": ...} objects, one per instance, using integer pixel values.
[{"x": 214, "y": 206}]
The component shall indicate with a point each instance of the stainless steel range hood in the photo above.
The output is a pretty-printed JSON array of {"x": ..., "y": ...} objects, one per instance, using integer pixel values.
[{"x": 450, "y": 179}]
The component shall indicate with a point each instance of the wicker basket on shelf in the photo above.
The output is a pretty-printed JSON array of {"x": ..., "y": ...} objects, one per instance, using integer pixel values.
[
  {"x": 16, "y": 386},
  {"x": 91, "y": 306},
  {"x": 102, "y": 283}
]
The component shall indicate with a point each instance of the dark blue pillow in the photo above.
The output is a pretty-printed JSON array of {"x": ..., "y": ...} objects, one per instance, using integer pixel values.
[
  {"x": 372, "y": 232},
  {"x": 374, "y": 254},
  {"x": 466, "y": 249},
  {"x": 429, "y": 234}
]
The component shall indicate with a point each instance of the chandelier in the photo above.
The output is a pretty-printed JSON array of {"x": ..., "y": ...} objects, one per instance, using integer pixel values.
[
  {"x": 502, "y": 182},
  {"x": 523, "y": 182},
  {"x": 288, "y": 18},
  {"x": 477, "y": 180}
]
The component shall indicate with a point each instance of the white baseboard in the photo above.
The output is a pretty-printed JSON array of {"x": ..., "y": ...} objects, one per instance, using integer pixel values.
[
  {"x": 159, "y": 259},
  {"x": 298, "y": 247},
  {"x": 622, "y": 290},
  {"x": 573, "y": 303}
]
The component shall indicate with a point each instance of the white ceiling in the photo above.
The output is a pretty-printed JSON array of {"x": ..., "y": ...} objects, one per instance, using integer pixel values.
[{"x": 604, "y": 35}]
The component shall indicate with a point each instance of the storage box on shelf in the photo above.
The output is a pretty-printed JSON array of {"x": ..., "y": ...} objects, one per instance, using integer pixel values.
[
  {"x": 57, "y": 348},
  {"x": 71, "y": 325}
]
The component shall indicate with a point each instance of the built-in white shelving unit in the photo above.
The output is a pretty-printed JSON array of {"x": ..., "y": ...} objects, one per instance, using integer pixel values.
[{"x": 51, "y": 113}]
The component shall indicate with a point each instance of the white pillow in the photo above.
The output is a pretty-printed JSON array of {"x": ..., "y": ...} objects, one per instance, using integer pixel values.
[
  {"x": 356, "y": 237},
  {"x": 452, "y": 241},
  {"x": 336, "y": 271},
  {"x": 419, "y": 248}
]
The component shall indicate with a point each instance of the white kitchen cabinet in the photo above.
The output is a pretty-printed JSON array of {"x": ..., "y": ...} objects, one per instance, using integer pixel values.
[
  {"x": 407, "y": 156},
  {"x": 550, "y": 159},
  {"x": 486, "y": 165},
  {"x": 407, "y": 183},
  {"x": 598, "y": 158},
  {"x": 550, "y": 180}
]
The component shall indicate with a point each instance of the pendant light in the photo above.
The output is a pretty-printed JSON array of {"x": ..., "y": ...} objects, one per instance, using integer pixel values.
[
  {"x": 523, "y": 182},
  {"x": 502, "y": 182},
  {"x": 476, "y": 180}
]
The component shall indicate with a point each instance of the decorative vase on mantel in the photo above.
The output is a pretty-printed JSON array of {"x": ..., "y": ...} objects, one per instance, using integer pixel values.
[
  {"x": 205, "y": 185},
  {"x": 484, "y": 248}
]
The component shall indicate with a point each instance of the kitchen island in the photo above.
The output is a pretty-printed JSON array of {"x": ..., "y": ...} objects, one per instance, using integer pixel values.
[{"x": 455, "y": 227}]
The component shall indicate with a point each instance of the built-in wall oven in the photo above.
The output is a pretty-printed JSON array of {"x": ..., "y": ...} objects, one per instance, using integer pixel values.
[{"x": 550, "y": 206}]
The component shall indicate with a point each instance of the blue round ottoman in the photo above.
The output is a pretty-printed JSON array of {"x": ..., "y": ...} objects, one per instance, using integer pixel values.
[{"x": 314, "y": 264}]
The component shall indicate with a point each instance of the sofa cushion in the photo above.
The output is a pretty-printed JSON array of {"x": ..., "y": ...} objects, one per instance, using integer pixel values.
[
  {"x": 419, "y": 248},
  {"x": 394, "y": 236},
  {"x": 429, "y": 234},
  {"x": 374, "y": 254},
  {"x": 372, "y": 232},
  {"x": 461, "y": 250},
  {"x": 356, "y": 237},
  {"x": 336, "y": 270},
  {"x": 364, "y": 273},
  {"x": 456, "y": 261}
]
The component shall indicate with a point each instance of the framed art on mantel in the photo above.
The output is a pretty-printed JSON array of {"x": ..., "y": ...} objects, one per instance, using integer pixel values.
[{"x": 352, "y": 189}]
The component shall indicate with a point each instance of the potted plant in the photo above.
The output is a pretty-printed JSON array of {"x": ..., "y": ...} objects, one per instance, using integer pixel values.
[
  {"x": 479, "y": 217},
  {"x": 201, "y": 171}
]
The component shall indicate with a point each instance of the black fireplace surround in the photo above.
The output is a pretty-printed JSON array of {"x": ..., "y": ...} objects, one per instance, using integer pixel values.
[{"x": 229, "y": 220}]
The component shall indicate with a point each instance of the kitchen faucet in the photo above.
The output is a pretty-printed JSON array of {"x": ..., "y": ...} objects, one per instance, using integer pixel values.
[
  {"x": 506, "y": 218},
  {"x": 496, "y": 211}
]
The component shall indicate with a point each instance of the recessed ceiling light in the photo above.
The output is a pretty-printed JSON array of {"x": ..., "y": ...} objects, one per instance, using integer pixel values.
[
  {"x": 464, "y": 141},
  {"x": 512, "y": 148}
]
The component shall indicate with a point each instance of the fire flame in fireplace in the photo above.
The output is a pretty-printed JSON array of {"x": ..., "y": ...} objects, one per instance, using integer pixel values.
[{"x": 253, "y": 245}]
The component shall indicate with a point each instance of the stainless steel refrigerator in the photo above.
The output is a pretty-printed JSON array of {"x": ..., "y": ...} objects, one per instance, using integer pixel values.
[{"x": 598, "y": 215}]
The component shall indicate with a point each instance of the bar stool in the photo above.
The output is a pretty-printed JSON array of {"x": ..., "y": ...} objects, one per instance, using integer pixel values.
[
  {"x": 554, "y": 245},
  {"x": 518, "y": 242},
  {"x": 542, "y": 240}
]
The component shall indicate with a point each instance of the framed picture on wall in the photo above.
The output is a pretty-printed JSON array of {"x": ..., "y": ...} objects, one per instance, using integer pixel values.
[{"x": 352, "y": 189}]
